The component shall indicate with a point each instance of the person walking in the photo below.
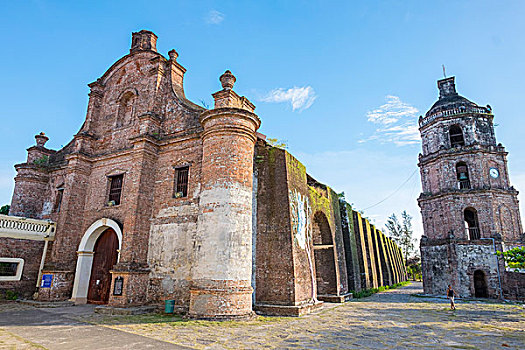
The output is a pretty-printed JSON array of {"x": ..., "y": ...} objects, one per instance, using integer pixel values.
[{"x": 450, "y": 294}]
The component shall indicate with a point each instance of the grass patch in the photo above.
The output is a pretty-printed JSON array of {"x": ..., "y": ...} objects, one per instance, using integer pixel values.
[
  {"x": 19, "y": 338},
  {"x": 259, "y": 320},
  {"x": 368, "y": 292},
  {"x": 175, "y": 321}
]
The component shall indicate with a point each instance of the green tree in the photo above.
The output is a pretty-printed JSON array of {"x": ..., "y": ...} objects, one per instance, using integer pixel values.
[
  {"x": 5, "y": 209},
  {"x": 515, "y": 257},
  {"x": 401, "y": 233},
  {"x": 414, "y": 267},
  {"x": 277, "y": 143}
]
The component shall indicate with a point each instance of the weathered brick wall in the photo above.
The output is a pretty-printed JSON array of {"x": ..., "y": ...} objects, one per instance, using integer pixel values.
[
  {"x": 274, "y": 271},
  {"x": 369, "y": 245},
  {"x": 303, "y": 250},
  {"x": 513, "y": 285},
  {"x": 31, "y": 252},
  {"x": 350, "y": 247},
  {"x": 435, "y": 264},
  {"x": 325, "y": 202},
  {"x": 295, "y": 211},
  {"x": 454, "y": 263},
  {"x": 387, "y": 259},
  {"x": 362, "y": 248},
  {"x": 385, "y": 267},
  {"x": 399, "y": 276},
  {"x": 339, "y": 243},
  {"x": 377, "y": 257},
  {"x": 438, "y": 173},
  {"x": 477, "y": 129},
  {"x": 470, "y": 258},
  {"x": 170, "y": 251},
  {"x": 497, "y": 215}
]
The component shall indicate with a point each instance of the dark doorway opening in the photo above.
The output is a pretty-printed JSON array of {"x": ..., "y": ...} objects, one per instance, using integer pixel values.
[
  {"x": 480, "y": 285},
  {"x": 104, "y": 258}
]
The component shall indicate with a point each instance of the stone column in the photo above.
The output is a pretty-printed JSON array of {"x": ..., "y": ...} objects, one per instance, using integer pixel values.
[{"x": 222, "y": 269}]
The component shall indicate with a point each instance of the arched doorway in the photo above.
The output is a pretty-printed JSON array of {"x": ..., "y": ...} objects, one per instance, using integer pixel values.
[
  {"x": 103, "y": 250},
  {"x": 480, "y": 284},
  {"x": 104, "y": 257},
  {"x": 324, "y": 255}
]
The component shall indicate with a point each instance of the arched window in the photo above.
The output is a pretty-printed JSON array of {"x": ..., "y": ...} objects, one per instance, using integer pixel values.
[
  {"x": 456, "y": 136},
  {"x": 471, "y": 223},
  {"x": 125, "y": 109},
  {"x": 462, "y": 175}
]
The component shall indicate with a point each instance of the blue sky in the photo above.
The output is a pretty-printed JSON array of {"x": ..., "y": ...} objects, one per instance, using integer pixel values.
[{"x": 325, "y": 76}]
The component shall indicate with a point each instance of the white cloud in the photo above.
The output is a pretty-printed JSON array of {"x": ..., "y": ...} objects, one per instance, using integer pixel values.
[
  {"x": 215, "y": 17},
  {"x": 397, "y": 122},
  {"x": 300, "y": 98}
]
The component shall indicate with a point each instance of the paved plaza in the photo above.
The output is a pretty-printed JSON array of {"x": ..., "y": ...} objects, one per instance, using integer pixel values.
[{"x": 394, "y": 319}]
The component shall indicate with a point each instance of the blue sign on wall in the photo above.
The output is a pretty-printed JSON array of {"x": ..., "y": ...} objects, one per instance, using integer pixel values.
[{"x": 47, "y": 280}]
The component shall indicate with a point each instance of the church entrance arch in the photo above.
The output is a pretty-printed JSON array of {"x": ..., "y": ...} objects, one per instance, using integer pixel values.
[
  {"x": 480, "y": 284},
  {"x": 104, "y": 258},
  {"x": 98, "y": 251},
  {"x": 324, "y": 255}
]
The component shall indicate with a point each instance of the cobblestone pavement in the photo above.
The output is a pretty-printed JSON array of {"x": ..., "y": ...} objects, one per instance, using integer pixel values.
[{"x": 390, "y": 320}]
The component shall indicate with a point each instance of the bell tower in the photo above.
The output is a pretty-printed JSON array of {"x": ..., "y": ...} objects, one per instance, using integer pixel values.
[{"x": 468, "y": 205}]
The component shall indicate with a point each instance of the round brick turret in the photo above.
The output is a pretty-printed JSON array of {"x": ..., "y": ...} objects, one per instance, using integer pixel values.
[{"x": 221, "y": 276}]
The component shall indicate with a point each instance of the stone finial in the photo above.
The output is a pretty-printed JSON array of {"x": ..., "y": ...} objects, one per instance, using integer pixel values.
[
  {"x": 173, "y": 55},
  {"x": 41, "y": 139},
  {"x": 227, "y": 80}
]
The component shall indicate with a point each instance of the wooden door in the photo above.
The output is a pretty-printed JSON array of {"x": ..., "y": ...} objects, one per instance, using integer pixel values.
[{"x": 105, "y": 256}]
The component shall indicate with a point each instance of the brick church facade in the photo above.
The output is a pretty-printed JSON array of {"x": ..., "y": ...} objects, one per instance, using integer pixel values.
[
  {"x": 468, "y": 205},
  {"x": 157, "y": 198}
]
